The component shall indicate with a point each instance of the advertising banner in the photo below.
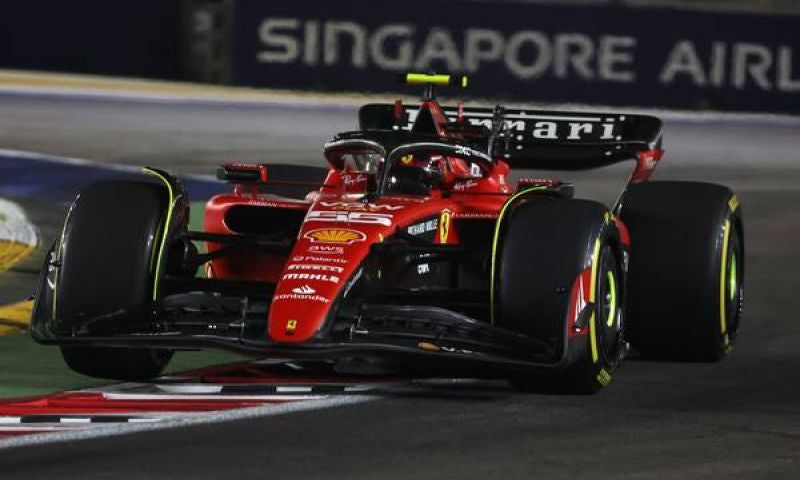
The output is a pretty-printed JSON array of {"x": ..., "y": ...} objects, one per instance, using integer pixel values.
[{"x": 525, "y": 52}]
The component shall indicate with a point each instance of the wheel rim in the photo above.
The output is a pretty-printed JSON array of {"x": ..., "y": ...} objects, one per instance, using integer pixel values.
[
  {"x": 608, "y": 312},
  {"x": 732, "y": 277},
  {"x": 733, "y": 285},
  {"x": 611, "y": 298}
]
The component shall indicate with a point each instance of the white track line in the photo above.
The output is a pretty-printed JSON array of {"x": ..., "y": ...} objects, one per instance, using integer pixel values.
[
  {"x": 299, "y": 404},
  {"x": 184, "y": 421},
  {"x": 222, "y": 398}
]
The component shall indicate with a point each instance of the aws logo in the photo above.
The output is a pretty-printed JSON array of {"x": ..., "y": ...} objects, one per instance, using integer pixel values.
[
  {"x": 335, "y": 235},
  {"x": 327, "y": 250}
]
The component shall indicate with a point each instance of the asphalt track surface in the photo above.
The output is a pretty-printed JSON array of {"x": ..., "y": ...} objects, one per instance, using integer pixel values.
[{"x": 736, "y": 419}]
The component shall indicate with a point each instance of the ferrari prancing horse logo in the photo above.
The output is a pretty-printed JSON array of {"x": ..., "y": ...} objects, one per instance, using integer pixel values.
[
  {"x": 444, "y": 225},
  {"x": 291, "y": 326}
]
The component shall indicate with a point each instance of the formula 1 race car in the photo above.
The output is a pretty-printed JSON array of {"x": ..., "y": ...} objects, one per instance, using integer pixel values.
[{"x": 415, "y": 254}]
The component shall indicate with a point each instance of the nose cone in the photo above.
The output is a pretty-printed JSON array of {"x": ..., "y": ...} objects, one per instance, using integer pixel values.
[
  {"x": 322, "y": 261},
  {"x": 334, "y": 240}
]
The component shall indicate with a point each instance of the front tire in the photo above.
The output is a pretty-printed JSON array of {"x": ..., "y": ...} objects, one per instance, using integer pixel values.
[
  {"x": 107, "y": 261},
  {"x": 548, "y": 251},
  {"x": 127, "y": 364}
]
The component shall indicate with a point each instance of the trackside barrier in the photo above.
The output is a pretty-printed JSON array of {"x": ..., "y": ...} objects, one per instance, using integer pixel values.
[{"x": 521, "y": 51}]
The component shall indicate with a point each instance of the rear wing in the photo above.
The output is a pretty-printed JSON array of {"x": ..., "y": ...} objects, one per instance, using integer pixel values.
[{"x": 540, "y": 139}]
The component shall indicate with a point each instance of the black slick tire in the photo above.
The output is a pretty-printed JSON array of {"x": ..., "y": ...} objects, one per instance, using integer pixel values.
[
  {"x": 545, "y": 244},
  {"x": 686, "y": 270},
  {"x": 107, "y": 259}
]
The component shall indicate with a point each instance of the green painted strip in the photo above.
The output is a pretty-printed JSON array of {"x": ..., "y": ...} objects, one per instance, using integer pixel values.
[
  {"x": 34, "y": 369},
  {"x": 197, "y": 216}
]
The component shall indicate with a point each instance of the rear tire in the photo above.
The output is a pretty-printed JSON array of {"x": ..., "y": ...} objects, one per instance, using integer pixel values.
[
  {"x": 108, "y": 262},
  {"x": 546, "y": 245},
  {"x": 686, "y": 270}
]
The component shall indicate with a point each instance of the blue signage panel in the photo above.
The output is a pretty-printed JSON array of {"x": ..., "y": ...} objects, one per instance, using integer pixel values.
[{"x": 524, "y": 52}]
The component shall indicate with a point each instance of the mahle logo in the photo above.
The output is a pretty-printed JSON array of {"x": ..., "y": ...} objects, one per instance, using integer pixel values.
[{"x": 335, "y": 235}]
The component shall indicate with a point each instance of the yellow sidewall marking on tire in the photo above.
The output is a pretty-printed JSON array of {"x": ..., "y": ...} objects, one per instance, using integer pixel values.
[
  {"x": 495, "y": 240},
  {"x": 592, "y": 292},
  {"x": 170, "y": 207},
  {"x": 722, "y": 271}
]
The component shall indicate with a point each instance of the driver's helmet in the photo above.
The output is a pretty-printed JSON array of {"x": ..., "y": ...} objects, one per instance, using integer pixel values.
[{"x": 415, "y": 174}]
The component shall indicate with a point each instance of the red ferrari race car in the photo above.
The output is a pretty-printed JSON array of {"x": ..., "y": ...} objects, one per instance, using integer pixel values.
[{"x": 415, "y": 254}]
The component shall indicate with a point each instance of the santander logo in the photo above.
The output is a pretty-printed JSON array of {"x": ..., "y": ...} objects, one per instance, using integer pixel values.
[{"x": 304, "y": 290}]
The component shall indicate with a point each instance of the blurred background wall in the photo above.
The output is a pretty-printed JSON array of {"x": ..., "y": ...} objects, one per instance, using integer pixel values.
[
  {"x": 693, "y": 54},
  {"x": 761, "y": 6},
  {"x": 117, "y": 37}
]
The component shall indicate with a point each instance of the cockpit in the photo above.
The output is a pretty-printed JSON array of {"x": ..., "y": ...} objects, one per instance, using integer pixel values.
[{"x": 362, "y": 165}]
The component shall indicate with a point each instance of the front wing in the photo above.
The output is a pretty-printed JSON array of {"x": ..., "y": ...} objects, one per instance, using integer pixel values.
[{"x": 423, "y": 338}]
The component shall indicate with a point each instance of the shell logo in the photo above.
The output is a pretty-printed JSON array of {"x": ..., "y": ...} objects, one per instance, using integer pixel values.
[{"x": 335, "y": 235}]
